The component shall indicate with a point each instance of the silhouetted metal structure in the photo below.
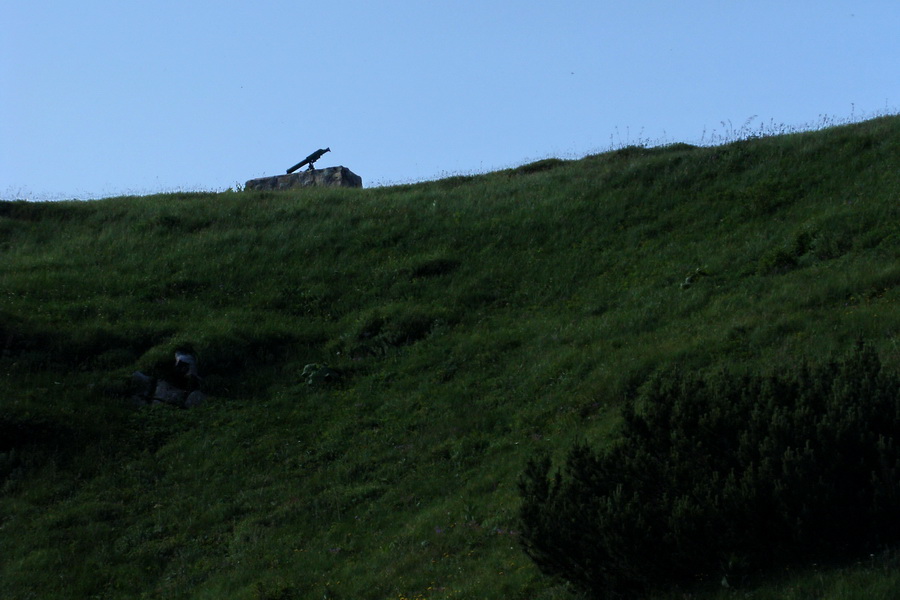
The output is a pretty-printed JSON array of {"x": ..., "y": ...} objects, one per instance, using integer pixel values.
[{"x": 309, "y": 160}]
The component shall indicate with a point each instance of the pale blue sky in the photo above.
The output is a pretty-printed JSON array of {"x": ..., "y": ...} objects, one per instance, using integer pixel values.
[{"x": 103, "y": 98}]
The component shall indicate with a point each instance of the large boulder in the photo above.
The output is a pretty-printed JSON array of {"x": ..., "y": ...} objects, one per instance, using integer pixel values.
[{"x": 328, "y": 177}]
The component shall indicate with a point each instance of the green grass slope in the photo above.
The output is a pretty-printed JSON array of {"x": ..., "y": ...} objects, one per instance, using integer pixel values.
[{"x": 473, "y": 320}]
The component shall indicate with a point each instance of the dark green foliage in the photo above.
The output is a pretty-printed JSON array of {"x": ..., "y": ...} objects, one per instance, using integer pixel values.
[{"x": 725, "y": 475}]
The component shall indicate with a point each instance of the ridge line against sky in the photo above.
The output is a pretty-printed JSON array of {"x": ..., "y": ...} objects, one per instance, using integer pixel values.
[{"x": 101, "y": 98}]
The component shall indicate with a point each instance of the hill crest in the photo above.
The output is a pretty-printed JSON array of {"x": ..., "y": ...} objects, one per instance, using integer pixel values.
[{"x": 475, "y": 320}]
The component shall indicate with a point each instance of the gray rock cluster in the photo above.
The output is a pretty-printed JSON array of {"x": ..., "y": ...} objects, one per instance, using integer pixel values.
[
  {"x": 692, "y": 278},
  {"x": 318, "y": 374},
  {"x": 328, "y": 177},
  {"x": 179, "y": 388}
]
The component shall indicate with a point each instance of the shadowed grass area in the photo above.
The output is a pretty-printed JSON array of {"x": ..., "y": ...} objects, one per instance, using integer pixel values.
[{"x": 473, "y": 320}]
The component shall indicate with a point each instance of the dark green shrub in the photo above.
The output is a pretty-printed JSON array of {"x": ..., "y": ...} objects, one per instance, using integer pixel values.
[{"x": 725, "y": 475}]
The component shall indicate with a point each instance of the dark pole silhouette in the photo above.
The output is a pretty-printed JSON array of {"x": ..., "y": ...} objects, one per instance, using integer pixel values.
[{"x": 309, "y": 160}]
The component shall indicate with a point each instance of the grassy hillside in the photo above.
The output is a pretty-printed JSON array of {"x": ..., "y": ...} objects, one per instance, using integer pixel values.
[{"x": 473, "y": 320}]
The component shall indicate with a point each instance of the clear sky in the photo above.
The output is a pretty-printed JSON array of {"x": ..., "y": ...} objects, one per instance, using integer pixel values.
[{"x": 105, "y": 98}]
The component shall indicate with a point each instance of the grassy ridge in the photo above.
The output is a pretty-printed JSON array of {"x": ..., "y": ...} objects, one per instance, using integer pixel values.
[{"x": 474, "y": 320}]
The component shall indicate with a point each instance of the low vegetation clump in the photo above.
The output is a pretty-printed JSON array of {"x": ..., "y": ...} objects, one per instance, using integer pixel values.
[{"x": 722, "y": 476}]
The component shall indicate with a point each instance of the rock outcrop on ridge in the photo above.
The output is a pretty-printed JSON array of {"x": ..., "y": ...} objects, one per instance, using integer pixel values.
[{"x": 327, "y": 177}]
